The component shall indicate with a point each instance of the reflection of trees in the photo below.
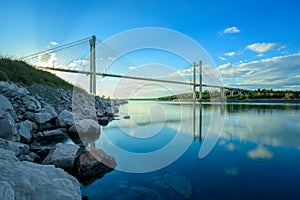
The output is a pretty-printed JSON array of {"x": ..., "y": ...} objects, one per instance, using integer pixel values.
[
  {"x": 267, "y": 124},
  {"x": 244, "y": 107}
]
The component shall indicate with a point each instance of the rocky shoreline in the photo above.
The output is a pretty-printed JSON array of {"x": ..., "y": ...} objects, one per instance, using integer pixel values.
[{"x": 35, "y": 122}]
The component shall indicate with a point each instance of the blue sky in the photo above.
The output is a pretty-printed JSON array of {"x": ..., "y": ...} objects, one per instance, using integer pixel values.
[{"x": 253, "y": 43}]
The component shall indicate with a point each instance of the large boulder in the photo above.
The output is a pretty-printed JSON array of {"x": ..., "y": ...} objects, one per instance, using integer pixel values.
[
  {"x": 87, "y": 129},
  {"x": 62, "y": 156},
  {"x": 65, "y": 119},
  {"x": 7, "y": 121},
  {"x": 26, "y": 180},
  {"x": 25, "y": 129},
  {"x": 16, "y": 147},
  {"x": 94, "y": 162}
]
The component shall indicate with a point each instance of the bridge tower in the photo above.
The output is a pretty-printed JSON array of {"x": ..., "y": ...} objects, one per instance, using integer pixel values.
[
  {"x": 200, "y": 80},
  {"x": 93, "y": 65}
]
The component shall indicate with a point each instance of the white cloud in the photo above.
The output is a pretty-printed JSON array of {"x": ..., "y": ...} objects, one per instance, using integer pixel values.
[
  {"x": 224, "y": 66},
  {"x": 233, "y": 29},
  {"x": 230, "y": 54},
  {"x": 280, "y": 72},
  {"x": 53, "y": 43},
  {"x": 82, "y": 64},
  {"x": 261, "y": 47},
  {"x": 131, "y": 67},
  {"x": 260, "y": 55},
  {"x": 222, "y": 58}
]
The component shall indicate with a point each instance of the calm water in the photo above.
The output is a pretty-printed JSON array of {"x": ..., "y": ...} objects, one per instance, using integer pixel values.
[{"x": 256, "y": 155}]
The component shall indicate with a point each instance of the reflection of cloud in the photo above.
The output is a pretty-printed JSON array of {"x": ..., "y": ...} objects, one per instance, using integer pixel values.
[
  {"x": 231, "y": 170},
  {"x": 260, "y": 153},
  {"x": 230, "y": 147},
  {"x": 275, "y": 126}
]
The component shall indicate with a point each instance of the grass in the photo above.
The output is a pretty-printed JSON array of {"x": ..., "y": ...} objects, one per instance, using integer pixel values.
[{"x": 20, "y": 72}]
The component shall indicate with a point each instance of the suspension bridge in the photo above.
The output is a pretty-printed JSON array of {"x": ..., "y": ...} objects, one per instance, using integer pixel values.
[{"x": 84, "y": 57}]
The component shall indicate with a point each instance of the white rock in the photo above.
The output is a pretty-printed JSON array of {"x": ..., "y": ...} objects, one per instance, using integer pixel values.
[
  {"x": 26, "y": 180},
  {"x": 87, "y": 129},
  {"x": 62, "y": 156},
  {"x": 25, "y": 129},
  {"x": 65, "y": 119}
]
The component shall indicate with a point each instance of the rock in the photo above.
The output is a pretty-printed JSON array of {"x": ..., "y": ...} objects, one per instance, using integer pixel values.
[
  {"x": 83, "y": 106},
  {"x": 25, "y": 129},
  {"x": 46, "y": 126},
  {"x": 174, "y": 182},
  {"x": 14, "y": 87},
  {"x": 103, "y": 121},
  {"x": 62, "y": 156},
  {"x": 6, "y": 107},
  {"x": 126, "y": 117},
  {"x": 41, "y": 151},
  {"x": 65, "y": 119},
  {"x": 94, "y": 162},
  {"x": 26, "y": 180},
  {"x": 42, "y": 116},
  {"x": 7, "y": 156},
  {"x": 135, "y": 192},
  {"x": 87, "y": 129},
  {"x": 20, "y": 98},
  {"x": 8, "y": 128},
  {"x": 52, "y": 96},
  {"x": 32, "y": 107},
  {"x": 7, "y": 121},
  {"x": 100, "y": 113},
  {"x": 49, "y": 109},
  {"x": 16, "y": 147},
  {"x": 51, "y": 136},
  {"x": 31, "y": 157},
  {"x": 7, "y": 191}
]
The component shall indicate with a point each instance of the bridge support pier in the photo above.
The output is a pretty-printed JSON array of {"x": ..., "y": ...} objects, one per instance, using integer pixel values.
[
  {"x": 222, "y": 91},
  {"x": 200, "y": 80},
  {"x": 194, "y": 82},
  {"x": 92, "y": 65},
  {"x": 231, "y": 93}
]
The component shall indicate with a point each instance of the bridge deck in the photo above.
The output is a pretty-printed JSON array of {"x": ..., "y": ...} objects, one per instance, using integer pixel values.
[{"x": 141, "y": 78}]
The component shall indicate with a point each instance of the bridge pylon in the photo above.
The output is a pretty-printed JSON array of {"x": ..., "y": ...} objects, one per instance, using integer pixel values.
[
  {"x": 200, "y": 80},
  {"x": 93, "y": 65}
]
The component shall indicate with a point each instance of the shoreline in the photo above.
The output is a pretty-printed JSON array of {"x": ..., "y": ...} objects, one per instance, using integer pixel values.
[{"x": 239, "y": 101}]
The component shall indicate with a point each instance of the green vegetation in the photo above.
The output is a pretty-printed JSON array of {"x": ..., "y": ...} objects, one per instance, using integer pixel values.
[
  {"x": 266, "y": 94},
  {"x": 185, "y": 96},
  {"x": 20, "y": 72},
  {"x": 256, "y": 94}
]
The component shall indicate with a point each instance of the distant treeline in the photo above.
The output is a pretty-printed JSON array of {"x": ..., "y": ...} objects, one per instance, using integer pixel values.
[{"x": 256, "y": 94}]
